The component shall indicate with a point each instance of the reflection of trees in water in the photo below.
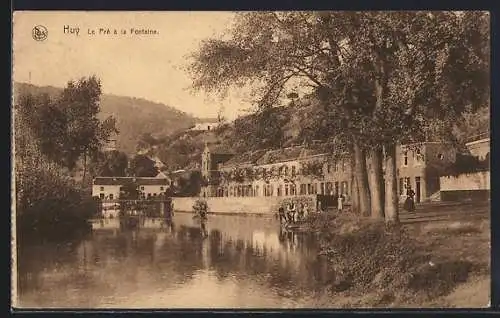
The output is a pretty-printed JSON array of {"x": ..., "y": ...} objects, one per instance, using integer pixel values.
[
  {"x": 128, "y": 256},
  {"x": 279, "y": 269},
  {"x": 35, "y": 259}
]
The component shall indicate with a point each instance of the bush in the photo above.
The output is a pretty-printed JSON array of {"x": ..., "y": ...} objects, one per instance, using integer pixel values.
[
  {"x": 200, "y": 206},
  {"x": 368, "y": 256},
  {"x": 50, "y": 207}
]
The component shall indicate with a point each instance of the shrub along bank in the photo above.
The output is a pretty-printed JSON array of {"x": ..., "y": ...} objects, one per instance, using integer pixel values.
[
  {"x": 51, "y": 207},
  {"x": 389, "y": 266}
]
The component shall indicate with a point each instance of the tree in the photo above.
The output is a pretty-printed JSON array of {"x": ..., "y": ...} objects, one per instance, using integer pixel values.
[
  {"x": 381, "y": 77},
  {"x": 80, "y": 101},
  {"x": 110, "y": 164},
  {"x": 67, "y": 127},
  {"x": 142, "y": 166}
]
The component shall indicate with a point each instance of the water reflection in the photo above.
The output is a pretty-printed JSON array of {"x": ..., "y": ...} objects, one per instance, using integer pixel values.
[{"x": 234, "y": 262}]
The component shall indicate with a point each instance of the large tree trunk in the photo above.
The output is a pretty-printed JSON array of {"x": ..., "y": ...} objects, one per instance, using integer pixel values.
[
  {"x": 84, "y": 166},
  {"x": 361, "y": 180},
  {"x": 354, "y": 193},
  {"x": 391, "y": 191},
  {"x": 375, "y": 180}
]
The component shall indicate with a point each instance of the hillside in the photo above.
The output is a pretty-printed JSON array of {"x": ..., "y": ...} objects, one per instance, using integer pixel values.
[{"x": 135, "y": 116}]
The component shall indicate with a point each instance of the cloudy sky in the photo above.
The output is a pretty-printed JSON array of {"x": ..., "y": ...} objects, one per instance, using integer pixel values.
[{"x": 146, "y": 66}]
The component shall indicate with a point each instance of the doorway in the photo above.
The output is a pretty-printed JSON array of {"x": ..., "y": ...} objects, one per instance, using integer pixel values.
[{"x": 417, "y": 190}]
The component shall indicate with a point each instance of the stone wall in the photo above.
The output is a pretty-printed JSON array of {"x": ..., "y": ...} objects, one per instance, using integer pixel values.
[
  {"x": 466, "y": 187},
  {"x": 241, "y": 205},
  {"x": 468, "y": 181}
]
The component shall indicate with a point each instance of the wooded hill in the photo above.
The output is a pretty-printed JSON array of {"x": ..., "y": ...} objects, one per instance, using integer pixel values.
[
  {"x": 274, "y": 128},
  {"x": 134, "y": 116}
]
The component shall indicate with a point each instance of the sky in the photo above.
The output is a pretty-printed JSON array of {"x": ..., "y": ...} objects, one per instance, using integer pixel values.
[{"x": 149, "y": 66}]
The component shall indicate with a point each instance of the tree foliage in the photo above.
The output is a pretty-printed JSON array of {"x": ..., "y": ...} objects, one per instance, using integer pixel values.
[
  {"x": 142, "y": 166},
  {"x": 67, "y": 126},
  {"x": 429, "y": 64},
  {"x": 110, "y": 164}
]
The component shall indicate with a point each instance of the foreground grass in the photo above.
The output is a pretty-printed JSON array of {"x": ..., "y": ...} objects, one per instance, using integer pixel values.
[{"x": 435, "y": 264}]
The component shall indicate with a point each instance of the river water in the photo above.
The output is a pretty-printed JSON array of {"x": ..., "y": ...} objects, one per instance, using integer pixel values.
[{"x": 244, "y": 262}]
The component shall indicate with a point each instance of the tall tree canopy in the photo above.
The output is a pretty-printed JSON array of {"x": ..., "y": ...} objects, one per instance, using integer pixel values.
[
  {"x": 67, "y": 127},
  {"x": 142, "y": 166},
  {"x": 382, "y": 78}
]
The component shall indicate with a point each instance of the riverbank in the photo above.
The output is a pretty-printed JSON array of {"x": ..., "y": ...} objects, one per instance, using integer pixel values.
[{"x": 435, "y": 264}]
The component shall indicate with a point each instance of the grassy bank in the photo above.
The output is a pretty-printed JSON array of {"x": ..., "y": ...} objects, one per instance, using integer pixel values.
[{"x": 440, "y": 264}]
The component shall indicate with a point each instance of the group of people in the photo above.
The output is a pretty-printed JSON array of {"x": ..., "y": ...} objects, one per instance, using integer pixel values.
[{"x": 293, "y": 213}]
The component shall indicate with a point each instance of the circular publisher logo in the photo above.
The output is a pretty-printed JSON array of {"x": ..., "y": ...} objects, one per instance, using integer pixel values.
[{"x": 39, "y": 33}]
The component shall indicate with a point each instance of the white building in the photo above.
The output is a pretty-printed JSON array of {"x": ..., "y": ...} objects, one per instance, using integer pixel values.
[
  {"x": 108, "y": 188},
  {"x": 205, "y": 127},
  {"x": 479, "y": 148}
]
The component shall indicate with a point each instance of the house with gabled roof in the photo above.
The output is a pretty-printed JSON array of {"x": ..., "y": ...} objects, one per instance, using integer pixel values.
[{"x": 108, "y": 188}]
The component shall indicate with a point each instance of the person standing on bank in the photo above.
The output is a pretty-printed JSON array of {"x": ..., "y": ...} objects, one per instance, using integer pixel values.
[
  {"x": 281, "y": 214},
  {"x": 291, "y": 212},
  {"x": 340, "y": 202},
  {"x": 410, "y": 203}
]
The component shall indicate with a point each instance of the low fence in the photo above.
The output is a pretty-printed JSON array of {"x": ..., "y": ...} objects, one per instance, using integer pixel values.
[
  {"x": 242, "y": 205},
  {"x": 466, "y": 187},
  {"x": 149, "y": 208}
]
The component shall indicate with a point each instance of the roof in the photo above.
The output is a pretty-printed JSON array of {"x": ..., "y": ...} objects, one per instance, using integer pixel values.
[
  {"x": 280, "y": 155},
  {"x": 480, "y": 141},
  {"x": 220, "y": 149},
  {"x": 249, "y": 157},
  {"x": 123, "y": 180}
]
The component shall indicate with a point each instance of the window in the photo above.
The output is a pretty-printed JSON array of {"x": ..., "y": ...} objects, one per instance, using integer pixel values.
[
  {"x": 111, "y": 196},
  {"x": 280, "y": 190},
  {"x": 329, "y": 188},
  {"x": 102, "y": 188},
  {"x": 161, "y": 188},
  {"x": 345, "y": 188},
  {"x": 101, "y": 196},
  {"x": 293, "y": 171},
  {"x": 336, "y": 188},
  {"x": 286, "y": 189},
  {"x": 322, "y": 188},
  {"x": 401, "y": 186},
  {"x": 309, "y": 188},
  {"x": 419, "y": 158},
  {"x": 303, "y": 188},
  {"x": 405, "y": 158},
  {"x": 142, "y": 188},
  {"x": 149, "y": 195},
  {"x": 292, "y": 189},
  {"x": 336, "y": 164},
  {"x": 257, "y": 190},
  {"x": 315, "y": 188},
  {"x": 406, "y": 182},
  {"x": 286, "y": 171}
]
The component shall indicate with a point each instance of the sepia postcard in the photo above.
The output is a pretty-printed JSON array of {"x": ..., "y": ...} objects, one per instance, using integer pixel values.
[{"x": 251, "y": 160}]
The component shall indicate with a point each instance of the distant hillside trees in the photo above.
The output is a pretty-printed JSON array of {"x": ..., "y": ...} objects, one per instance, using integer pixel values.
[
  {"x": 134, "y": 116},
  {"x": 142, "y": 166},
  {"x": 110, "y": 164}
]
